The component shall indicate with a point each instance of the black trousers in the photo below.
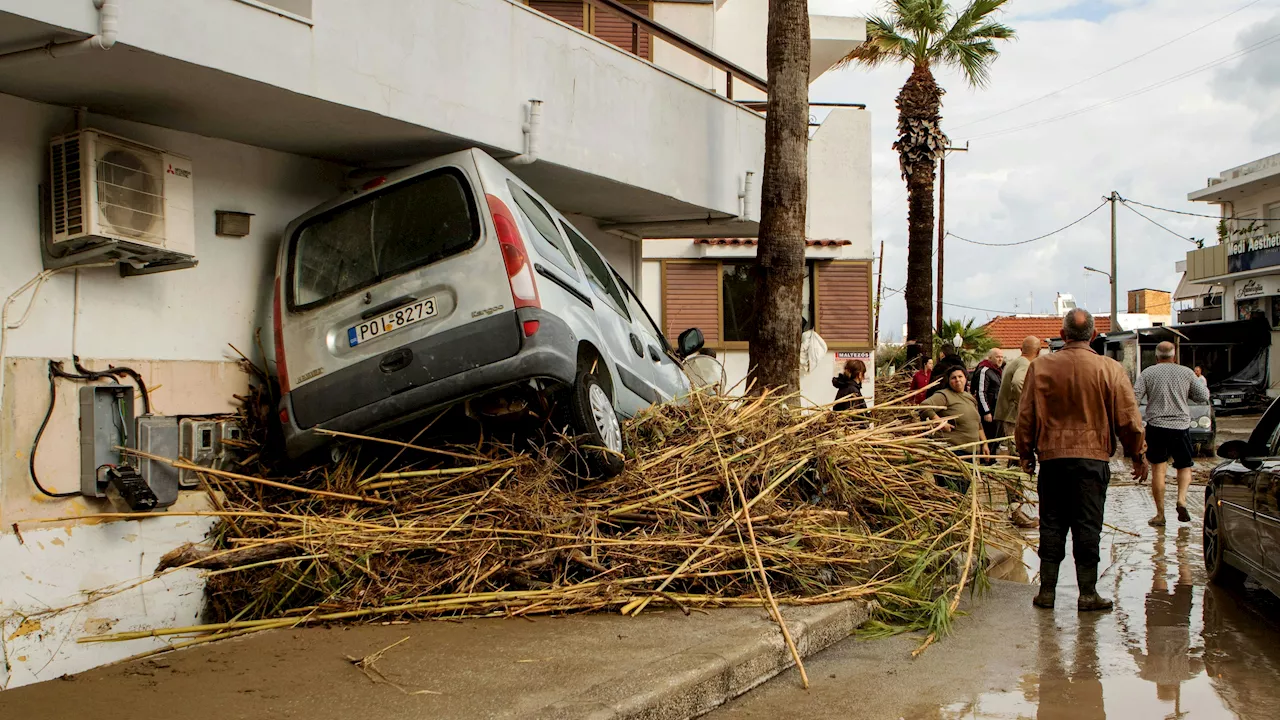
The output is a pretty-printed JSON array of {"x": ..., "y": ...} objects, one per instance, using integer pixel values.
[{"x": 1073, "y": 492}]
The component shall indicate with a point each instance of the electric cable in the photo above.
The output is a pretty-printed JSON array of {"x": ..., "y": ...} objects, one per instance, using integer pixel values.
[
  {"x": 112, "y": 372},
  {"x": 1078, "y": 83},
  {"x": 54, "y": 367},
  {"x": 1140, "y": 91},
  {"x": 1153, "y": 222},
  {"x": 1041, "y": 237},
  {"x": 1201, "y": 215}
]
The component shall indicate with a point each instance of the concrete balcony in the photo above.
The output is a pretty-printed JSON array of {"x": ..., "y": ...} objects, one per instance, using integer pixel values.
[{"x": 393, "y": 81}]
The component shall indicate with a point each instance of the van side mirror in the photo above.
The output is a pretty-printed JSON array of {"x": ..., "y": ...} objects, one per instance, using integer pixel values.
[{"x": 690, "y": 342}]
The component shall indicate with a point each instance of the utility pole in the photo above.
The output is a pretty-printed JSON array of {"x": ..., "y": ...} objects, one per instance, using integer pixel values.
[
  {"x": 875, "y": 337},
  {"x": 1115, "y": 318},
  {"x": 942, "y": 219}
]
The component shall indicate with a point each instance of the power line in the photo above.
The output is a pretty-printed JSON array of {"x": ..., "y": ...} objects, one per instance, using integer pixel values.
[
  {"x": 1041, "y": 237},
  {"x": 1154, "y": 86},
  {"x": 1153, "y": 222},
  {"x": 1201, "y": 215},
  {"x": 1135, "y": 58},
  {"x": 965, "y": 307}
]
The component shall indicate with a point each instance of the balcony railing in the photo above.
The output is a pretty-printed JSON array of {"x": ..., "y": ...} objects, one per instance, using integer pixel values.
[{"x": 1195, "y": 315}]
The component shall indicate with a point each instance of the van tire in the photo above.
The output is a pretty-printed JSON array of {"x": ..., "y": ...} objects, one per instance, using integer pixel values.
[{"x": 589, "y": 408}]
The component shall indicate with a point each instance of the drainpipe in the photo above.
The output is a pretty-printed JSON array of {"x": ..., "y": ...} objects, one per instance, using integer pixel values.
[
  {"x": 531, "y": 126},
  {"x": 745, "y": 197},
  {"x": 108, "y": 29}
]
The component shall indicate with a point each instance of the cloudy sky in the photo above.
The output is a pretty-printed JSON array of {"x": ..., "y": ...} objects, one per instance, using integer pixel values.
[{"x": 1028, "y": 173}]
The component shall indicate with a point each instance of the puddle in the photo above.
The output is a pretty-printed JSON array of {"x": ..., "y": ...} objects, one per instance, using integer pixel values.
[{"x": 1173, "y": 648}]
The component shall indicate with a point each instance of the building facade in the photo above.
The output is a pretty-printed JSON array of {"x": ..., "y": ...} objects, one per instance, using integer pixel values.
[
  {"x": 269, "y": 108},
  {"x": 1237, "y": 280}
]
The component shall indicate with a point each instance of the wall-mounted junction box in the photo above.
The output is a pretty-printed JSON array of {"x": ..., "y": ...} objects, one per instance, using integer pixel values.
[
  {"x": 106, "y": 422},
  {"x": 158, "y": 435}
]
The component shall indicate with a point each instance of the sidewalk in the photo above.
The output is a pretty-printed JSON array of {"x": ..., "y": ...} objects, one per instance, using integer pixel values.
[{"x": 605, "y": 666}]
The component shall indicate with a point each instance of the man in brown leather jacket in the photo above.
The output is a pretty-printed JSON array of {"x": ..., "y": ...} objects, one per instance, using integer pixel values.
[{"x": 1075, "y": 403}]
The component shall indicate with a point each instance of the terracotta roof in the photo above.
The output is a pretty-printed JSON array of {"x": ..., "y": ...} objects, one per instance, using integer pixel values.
[
  {"x": 752, "y": 242},
  {"x": 1009, "y": 330}
]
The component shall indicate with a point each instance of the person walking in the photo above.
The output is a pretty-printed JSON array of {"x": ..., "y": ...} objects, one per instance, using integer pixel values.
[
  {"x": 1200, "y": 376},
  {"x": 986, "y": 390},
  {"x": 1166, "y": 388},
  {"x": 1075, "y": 404},
  {"x": 964, "y": 429},
  {"x": 920, "y": 380},
  {"x": 1013, "y": 377},
  {"x": 849, "y": 386},
  {"x": 949, "y": 360}
]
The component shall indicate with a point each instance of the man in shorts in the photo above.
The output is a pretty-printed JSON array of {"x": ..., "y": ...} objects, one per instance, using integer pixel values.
[{"x": 1166, "y": 388}]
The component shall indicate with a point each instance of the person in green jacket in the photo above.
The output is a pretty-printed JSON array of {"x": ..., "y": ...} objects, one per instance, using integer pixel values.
[{"x": 1015, "y": 376}]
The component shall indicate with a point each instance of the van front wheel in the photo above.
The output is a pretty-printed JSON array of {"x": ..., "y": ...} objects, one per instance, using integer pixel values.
[{"x": 596, "y": 423}]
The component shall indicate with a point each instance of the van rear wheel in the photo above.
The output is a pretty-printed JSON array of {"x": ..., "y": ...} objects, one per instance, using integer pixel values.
[{"x": 596, "y": 423}]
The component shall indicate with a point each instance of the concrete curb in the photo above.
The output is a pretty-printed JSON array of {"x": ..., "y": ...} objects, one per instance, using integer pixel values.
[{"x": 695, "y": 681}]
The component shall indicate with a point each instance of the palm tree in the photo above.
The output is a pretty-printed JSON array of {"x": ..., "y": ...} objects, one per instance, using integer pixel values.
[
  {"x": 975, "y": 342},
  {"x": 780, "y": 270},
  {"x": 928, "y": 34}
]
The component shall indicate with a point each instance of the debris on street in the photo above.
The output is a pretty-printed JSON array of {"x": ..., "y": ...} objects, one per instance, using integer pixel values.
[{"x": 724, "y": 502}]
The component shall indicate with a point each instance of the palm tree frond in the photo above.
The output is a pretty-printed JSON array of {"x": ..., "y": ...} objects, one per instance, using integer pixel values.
[
  {"x": 973, "y": 59},
  {"x": 884, "y": 44}
]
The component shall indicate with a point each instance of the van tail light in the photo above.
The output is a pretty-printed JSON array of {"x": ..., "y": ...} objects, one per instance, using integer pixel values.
[
  {"x": 519, "y": 268},
  {"x": 282, "y": 368},
  {"x": 530, "y": 327}
]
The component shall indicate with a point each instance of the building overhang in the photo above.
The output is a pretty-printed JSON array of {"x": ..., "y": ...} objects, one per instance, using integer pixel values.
[
  {"x": 1240, "y": 182},
  {"x": 333, "y": 92}
]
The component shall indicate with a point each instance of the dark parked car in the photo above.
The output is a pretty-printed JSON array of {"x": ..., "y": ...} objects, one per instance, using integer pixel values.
[{"x": 1242, "y": 507}]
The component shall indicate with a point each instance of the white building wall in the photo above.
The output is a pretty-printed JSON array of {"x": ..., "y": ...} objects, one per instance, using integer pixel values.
[
  {"x": 173, "y": 327},
  {"x": 840, "y": 181},
  {"x": 695, "y": 21},
  {"x": 465, "y": 68}
]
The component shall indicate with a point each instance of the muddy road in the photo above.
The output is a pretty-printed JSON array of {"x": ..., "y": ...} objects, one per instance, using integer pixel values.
[{"x": 1173, "y": 647}]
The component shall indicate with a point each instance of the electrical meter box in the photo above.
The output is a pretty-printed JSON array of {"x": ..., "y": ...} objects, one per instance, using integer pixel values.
[
  {"x": 158, "y": 435},
  {"x": 209, "y": 441},
  {"x": 106, "y": 423}
]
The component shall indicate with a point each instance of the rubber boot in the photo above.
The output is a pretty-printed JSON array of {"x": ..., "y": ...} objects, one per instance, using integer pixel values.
[
  {"x": 1048, "y": 585},
  {"x": 1090, "y": 600}
]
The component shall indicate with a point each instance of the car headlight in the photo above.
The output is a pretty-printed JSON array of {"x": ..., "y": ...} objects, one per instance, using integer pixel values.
[{"x": 1204, "y": 422}]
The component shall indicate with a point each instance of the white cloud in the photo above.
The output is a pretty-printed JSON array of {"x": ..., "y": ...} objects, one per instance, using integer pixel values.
[{"x": 1155, "y": 147}]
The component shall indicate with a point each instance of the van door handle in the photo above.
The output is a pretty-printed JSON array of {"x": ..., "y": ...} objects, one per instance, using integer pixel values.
[
  {"x": 396, "y": 361},
  {"x": 636, "y": 345},
  {"x": 389, "y": 305}
]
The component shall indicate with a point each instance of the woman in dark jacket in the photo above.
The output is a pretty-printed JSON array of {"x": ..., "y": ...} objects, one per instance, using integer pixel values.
[{"x": 849, "y": 386}]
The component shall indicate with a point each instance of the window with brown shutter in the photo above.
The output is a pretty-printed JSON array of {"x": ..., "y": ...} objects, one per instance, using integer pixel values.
[
  {"x": 691, "y": 298},
  {"x": 617, "y": 30},
  {"x": 844, "y": 304},
  {"x": 570, "y": 12}
]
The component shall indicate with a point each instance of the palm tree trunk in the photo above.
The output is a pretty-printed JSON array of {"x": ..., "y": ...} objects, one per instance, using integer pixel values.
[
  {"x": 920, "y": 143},
  {"x": 780, "y": 267}
]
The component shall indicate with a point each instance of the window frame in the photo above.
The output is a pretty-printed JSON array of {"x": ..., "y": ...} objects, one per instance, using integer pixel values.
[
  {"x": 645, "y": 320},
  {"x": 603, "y": 293},
  {"x": 811, "y": 277},
  {"x": 291, "y": 267},
  {"x": 561, "y": 257}
]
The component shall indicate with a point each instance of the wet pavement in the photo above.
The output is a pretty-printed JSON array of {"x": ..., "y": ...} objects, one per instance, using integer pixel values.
[{"x": 1173, "y": 648}]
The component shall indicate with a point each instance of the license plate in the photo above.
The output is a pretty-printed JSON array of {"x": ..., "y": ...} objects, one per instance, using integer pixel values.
[{"x": 392, "y": 321}]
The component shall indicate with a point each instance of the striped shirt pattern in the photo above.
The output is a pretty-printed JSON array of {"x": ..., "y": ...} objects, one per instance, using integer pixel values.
[{"x": 1166, "y": 388}]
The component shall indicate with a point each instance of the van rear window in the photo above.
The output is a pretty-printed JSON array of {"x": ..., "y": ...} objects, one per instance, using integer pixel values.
[{"x": 382, "y": 234}]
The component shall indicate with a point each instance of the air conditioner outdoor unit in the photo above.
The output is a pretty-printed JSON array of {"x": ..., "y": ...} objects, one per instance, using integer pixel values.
[{"x": 116, "y": 200}]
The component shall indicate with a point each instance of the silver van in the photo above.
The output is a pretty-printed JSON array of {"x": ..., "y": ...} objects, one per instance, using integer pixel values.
[{"x": 452, "y": 281}]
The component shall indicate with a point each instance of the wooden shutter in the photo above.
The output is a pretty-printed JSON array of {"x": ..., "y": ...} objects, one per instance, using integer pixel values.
[
  {"x": 844, "y": 304},
  {"x": 617, "y": 30},
  {"x": 571, "y": 12},
  {"x": 691, "y": 298}
]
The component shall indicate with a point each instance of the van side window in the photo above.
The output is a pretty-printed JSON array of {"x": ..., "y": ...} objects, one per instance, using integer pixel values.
[
  {"x": 540, "y": 220},
  {"x": 598, "y": 271},
  {"x": 641, "y": 315}
]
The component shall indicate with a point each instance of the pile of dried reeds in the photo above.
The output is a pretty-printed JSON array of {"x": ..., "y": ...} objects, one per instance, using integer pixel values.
[{"x": 724, "y": 502}]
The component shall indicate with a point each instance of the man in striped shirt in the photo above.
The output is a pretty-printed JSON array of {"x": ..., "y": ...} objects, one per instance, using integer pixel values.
[{"x": 1166, "y": 388}]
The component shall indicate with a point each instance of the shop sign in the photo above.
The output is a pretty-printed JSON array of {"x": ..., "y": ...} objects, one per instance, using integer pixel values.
[
  {"x": 844, "y": 356},
  {"x": 1257, "y": 287},
  {"x": 1249, "y": 250}
]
